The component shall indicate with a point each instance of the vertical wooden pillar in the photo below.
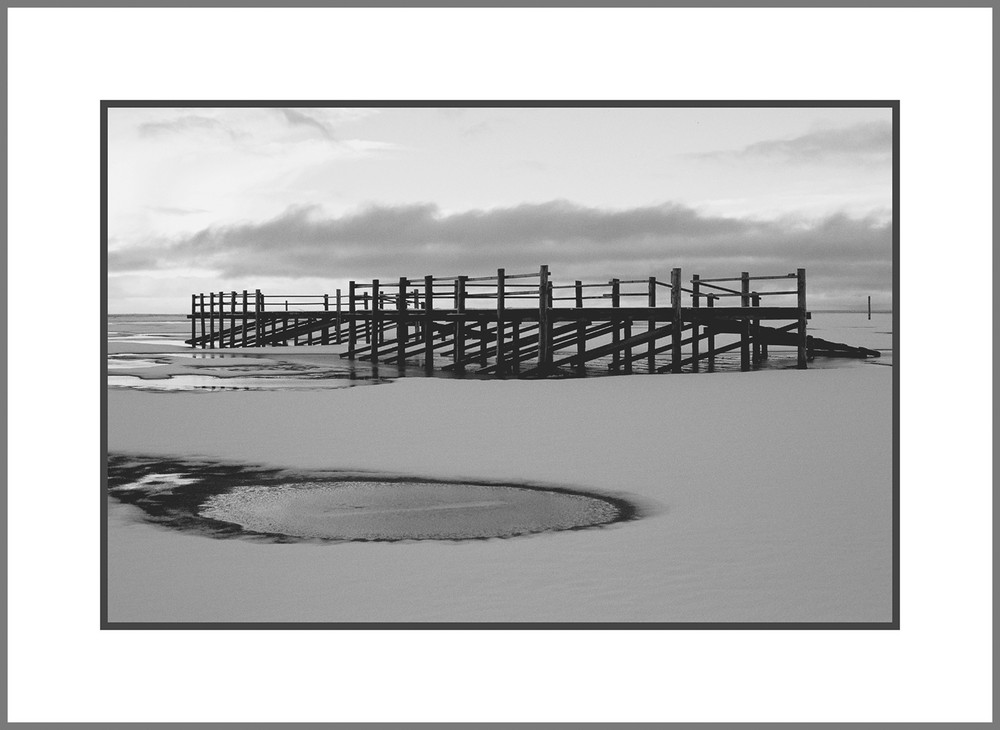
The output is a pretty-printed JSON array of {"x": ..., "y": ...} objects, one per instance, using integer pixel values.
[
  {"x": 339, "y": 323},
  {"x": 515, "y": 346},
  {"x": 616, "y": 333},
  {"x": 402, "y": 330},
  {"x": 627, "y": 330},
  {"x": 194, "y": 321},
  {"x": 429, "y": 322},
  {"x": 222, "y": 319},
  {"x": 695, "y": 326},
  {"x": 651, "y": 325},
  {"x": 458, "y": 354},
  {"x": 758, "y": 348},
  {"x": 677, "y": 323},
  {"x": 376, "y": 331},
  {"x": 581, "y": 331},
  {"x": 258, "y": 324},
  {"x": 501, "y": 303},
  {"x": 869, "y": 307},
  {"x": 801, "y": 291},
  {"x": 745, "y": 322},
  {"x": 232, "y": 321},
  {"x": 201, "y": 315},
  {"x": 367, "y": 321},
  {"x": 711, "y": 338},
  {"x": 544, "y": 330},
  {"x": 211, "y": 319},
  {"x": 326, "y": 320},
  {"x": 244, "y": 334},
  {"x": 352, "y": 323}
]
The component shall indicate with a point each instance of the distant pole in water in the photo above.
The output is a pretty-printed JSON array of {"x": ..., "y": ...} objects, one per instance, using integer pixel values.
[{"x": 869, "y": 306}]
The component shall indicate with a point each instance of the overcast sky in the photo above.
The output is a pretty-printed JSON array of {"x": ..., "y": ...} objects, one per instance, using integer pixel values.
[{"x": 301, "y": 200}]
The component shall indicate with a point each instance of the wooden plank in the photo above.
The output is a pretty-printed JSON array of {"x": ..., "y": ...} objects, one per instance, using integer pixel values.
[
  {"x": 194, "y": 322},
  {"x": 339, "y": 320},
  {"x": 801, "y": 289},
  {"x": 501, "y": 303},
  {"x": 326, "y": 330},
  {"x": 745, "y": 333},
  {"x": 678, "y": 320},
  {"x": 616, "y": 301},
  {"x": 428, "y": 322},
  {"x": 458, "y": 352},
  {"x": 402, "y": 332},
  {"x": 711, "y": 340},
  {"x": 544, "y": 352},
  {"x": 696, "y": 304},
  {"x": 352, "y": 327},
  {"x": 755, "y": 331},
  {"x": 581, "y": 330}
]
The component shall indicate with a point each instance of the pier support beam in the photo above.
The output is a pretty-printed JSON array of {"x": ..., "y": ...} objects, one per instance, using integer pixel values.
[
  {"x": 678, "y": 325},
  {"x": 801, "y": 291}
]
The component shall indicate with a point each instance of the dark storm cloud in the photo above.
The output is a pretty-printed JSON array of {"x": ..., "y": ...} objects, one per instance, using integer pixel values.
[
  {"x": 842, "y": 253},
  {"x": 870, "y": 142}
]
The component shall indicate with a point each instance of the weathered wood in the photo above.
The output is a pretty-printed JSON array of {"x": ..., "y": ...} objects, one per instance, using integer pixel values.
[
  {"x": 339, "y": 320},
  {"x": 616, "y": 336},
  {"x": 428, "y": 322},
  {"x": 678, "y": 321},
  {"x": 544, "y": 293},
  {"x": 352, "y": 327},
  {"x": 745, "y": 330},
  {"x": 194, "y": 321},
  {"x": 326, "y": 330},
  {"x": 581, "y": 330},
  {"x": 801, "y": 289},
  {"x": 459, "y": 350},
  {"x": 402, "y": 332},
  {"x": 211, "y": 320},
  {"x": 501, "y": 303},
  {"x": 755, "y": 331},
  {"x": 695, "y": 304}
]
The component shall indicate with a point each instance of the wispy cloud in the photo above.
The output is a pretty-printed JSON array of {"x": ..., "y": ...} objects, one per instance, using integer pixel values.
[
  {"x": 187, "y": 123},
  {"x": 168, "y": 210},
  {"x": 297, "y": 118},
  {"x": 578, "y": 242},
  {"x": 868, "y": 142}
]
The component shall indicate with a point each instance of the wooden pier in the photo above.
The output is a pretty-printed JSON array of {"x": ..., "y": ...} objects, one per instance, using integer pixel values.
[{"x": 529, "y": 325}]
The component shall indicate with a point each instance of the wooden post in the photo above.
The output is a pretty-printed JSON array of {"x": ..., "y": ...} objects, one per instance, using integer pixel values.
[
  {"x": 368, "y": 322},
  {"x": 201, "y": 314},
  {"x": 258, "y": 308},
  {"x": 581, "y": 331},
  {"x": 745, "y": 328},
  {"x": 651, "y": 325},
  {"x": 428, "y": 322},
  {"x": 339, "y": 323},
  {"x": 326, "y": 321},
  {"x": 501, "y": 282},
  {"x": 211, "y": 319},
  {"x": 616, "y": 334},
  {"x": 755, "y": 331},
  {"x": 352, "y": 325},
  {"x": 801, "y": 291},
  {"x": 544, "y": 332},
  {"x": 232, "y": 321},
  {"x": 869, "y": 307},
  {"x": 695, "y": 327},
  {"x": 678, "y": 325},
  {"x": 515, "y": 345},
  {"x": 402, "y": 331},
  {"x": 627, "y": 328},
  {"x": 222, "y": 319},
  {"x": 376, "y": 332},
  {"x": 194, "y": 322},
  {"x": 711, "y": 338},
  {"x": 245, "y": 310},
  {"x": 458, "y": 355}
]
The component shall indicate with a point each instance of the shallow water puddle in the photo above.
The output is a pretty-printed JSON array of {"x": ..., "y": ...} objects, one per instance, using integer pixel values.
[{"x": 228, "y": 500}]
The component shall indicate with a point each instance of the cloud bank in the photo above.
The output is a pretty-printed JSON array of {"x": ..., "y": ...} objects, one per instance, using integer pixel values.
[
  {"x": 842, "y": 254},
  {"x": 869, "y": 143}
]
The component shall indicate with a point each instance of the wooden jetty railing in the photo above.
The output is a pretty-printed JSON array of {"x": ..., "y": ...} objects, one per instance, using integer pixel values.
[{"x": 528, "y": 325}]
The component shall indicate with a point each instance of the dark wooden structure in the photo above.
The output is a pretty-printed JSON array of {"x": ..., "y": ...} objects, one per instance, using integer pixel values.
[{"x": 527, "y": 325}]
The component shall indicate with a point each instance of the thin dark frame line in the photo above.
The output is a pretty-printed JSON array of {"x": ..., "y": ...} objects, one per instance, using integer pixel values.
[{"x": 892, "y": 624}]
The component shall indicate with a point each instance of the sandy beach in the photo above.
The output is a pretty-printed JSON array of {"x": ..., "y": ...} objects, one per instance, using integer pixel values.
[{"x": 765, "y": 497}]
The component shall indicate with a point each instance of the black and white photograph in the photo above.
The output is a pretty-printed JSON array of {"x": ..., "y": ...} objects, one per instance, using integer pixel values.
[{"x": 500, "y": 364}]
